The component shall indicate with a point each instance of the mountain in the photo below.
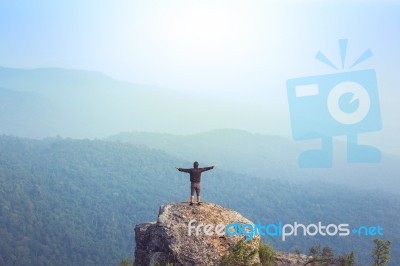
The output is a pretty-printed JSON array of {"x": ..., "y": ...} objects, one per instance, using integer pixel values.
[
  {"x": 267, "y": 156},
  {"x": 76, "y": 202},
  {"x": 237, "y": 150},
  {"x": 88, "y": 104},
  {"x": 79, "y": 103},
  {"x": 24, "y": 110}
]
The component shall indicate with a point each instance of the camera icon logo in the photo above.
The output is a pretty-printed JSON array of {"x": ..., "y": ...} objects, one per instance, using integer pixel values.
[{"x": 325, "y": 106}]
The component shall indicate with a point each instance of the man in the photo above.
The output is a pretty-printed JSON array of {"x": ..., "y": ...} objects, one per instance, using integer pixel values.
[{"x": 195, "y": 175}]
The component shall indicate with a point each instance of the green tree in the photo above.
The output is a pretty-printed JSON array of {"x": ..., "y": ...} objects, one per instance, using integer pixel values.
[
  {"x": 324, "y": 256},
  {"x": 381, "y": 252},
  {"x": 239, "y": 255},
  {"x": 266, "y": 254}
]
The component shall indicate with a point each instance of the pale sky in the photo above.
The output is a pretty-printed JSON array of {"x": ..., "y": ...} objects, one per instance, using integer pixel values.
[{"x": 202, "y": 45}]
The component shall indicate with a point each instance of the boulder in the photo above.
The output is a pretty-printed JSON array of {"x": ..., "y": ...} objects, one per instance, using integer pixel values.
[{"x": 168, "y": 241}]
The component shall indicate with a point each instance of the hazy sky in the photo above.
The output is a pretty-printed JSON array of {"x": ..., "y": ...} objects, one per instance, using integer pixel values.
[
  {"x": 204, "y": 45},
  {"x": 241, "y": 50}
]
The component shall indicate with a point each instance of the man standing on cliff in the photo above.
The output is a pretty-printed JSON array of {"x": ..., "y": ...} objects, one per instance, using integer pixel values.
[{"x": 195, "y": 175}]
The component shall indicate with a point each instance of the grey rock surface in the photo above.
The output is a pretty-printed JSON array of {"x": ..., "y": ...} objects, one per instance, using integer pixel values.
[{"x": 168, "y": 240}]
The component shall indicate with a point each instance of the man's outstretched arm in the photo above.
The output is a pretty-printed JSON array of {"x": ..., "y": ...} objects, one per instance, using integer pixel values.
[
  {"x": 207, "y": 168},
  {"x": 183, "y": 170}
]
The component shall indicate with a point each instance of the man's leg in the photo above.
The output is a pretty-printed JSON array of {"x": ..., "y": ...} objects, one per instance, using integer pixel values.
[
  {"x": 198, "y": 193},
  {"x": 192, "y": 189}
]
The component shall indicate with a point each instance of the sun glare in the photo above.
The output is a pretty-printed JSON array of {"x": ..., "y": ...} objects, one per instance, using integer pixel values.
[{"x": 198, "y": 31}]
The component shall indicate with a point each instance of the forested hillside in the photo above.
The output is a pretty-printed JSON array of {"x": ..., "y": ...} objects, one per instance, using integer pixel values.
[{"x": 75, "y": 202}]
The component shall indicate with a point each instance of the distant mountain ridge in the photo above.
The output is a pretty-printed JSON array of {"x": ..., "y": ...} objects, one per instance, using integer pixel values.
[
  {"x": 79, "y": 103},
  {"x": 267, "y": 156},
  {"x": 88, "y": 104}
]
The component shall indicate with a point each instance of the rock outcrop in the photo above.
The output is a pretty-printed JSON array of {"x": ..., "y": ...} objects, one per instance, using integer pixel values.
[{"x": 167, "y": 240}]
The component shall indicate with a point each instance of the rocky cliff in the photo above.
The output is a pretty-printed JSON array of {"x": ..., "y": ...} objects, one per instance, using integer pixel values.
[{"x": 168, "y": 241}]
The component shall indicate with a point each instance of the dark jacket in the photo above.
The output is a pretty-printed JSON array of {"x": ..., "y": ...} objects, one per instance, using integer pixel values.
[{"x": 195, "y": 173}]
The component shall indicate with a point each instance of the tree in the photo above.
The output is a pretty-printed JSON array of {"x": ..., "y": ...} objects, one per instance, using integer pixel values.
[
  {"x": 266, "y": 254},
  {"x": 381, "y": 252},
  {"x": 325, "y": 256},
  {"x": 239, "y": 255}
]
